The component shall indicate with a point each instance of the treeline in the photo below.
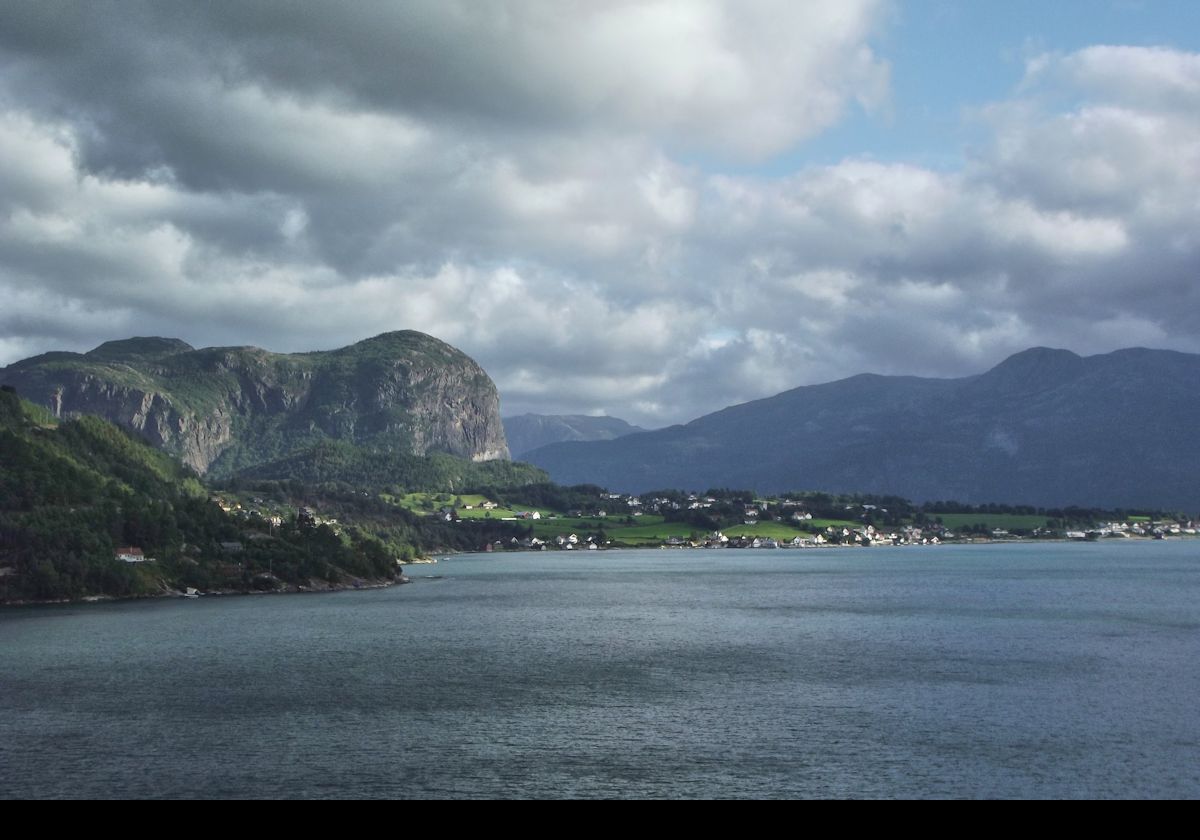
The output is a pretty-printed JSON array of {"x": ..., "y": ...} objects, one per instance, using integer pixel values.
[
  {"x": 1067, "y": 515},
  {"x": 368, "y": 468},
  {"x": 71, "y": 494},
  {"x": 544, "y": 494},
  {"x": 729, "y": 504},
  {"x": 406, "y": 534}
]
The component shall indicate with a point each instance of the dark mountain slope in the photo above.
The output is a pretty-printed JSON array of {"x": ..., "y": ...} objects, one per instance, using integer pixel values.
[
  {"x": 1043, "y": 427},
  {"x": 531, "y": 431}
]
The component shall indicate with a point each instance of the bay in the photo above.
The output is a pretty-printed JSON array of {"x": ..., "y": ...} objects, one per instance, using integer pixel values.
[{"x": 1003, "y": 670}]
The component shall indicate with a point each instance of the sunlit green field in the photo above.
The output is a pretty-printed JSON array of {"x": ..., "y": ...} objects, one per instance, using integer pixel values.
[
  {"x": 1007, "y": 521},
  {"x": 651, "y": 529},
  {"x": 429, "y": 502}
]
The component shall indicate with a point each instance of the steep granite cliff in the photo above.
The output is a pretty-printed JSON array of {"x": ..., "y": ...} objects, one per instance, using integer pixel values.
[{"x": 222, "y": 409}]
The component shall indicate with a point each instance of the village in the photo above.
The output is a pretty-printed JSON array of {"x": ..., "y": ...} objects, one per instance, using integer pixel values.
[{"x": 719, "y": 520}]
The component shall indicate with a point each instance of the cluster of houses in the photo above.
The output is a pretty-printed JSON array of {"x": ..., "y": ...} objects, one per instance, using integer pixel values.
[
  {"x": 305, "y": 517},
  {"x": 570, "y": 542},
  {"x": 789, "y": 511},
  {"x": 235, "y": 508},
  {"x": 836, "y": 536},
  {"x": 1156, "y": 530},
  {"x": 865, "y": 536}
]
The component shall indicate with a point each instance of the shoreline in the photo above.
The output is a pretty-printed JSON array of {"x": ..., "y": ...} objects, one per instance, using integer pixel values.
[
  {"x": 846, "y": 545},
  {"x": 290, "y": 589},
  {"x": 369, "y": 583}
]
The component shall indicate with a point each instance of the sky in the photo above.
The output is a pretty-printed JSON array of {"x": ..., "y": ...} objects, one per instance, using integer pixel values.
[{"x": 649, "y": 210}]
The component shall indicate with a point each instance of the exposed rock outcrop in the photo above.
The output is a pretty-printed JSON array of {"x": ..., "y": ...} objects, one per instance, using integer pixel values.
[{"x": 220, "y": 409}]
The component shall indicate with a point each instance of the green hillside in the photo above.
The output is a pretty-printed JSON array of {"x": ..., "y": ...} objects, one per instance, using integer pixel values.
[
  {"x": 370, "y": 468},
  {"x": 224, "y": 409},
  {"x": 71, "y": 494}
]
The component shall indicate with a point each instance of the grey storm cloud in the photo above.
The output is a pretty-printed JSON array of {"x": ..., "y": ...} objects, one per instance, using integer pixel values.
[{"x": 514, "y": 178}]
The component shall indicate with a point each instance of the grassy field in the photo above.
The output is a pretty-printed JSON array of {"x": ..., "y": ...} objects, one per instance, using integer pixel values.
[
  {"x": 648, "y": 530},
  {"x": 574, "y": 524},
  {"x": 420, "y": 502},
  {"x": 654, "y": 530},
  {"x": 480, "y": 513},
  {"x": 429, "y": 502},
  {"x": 649, "y": 534},
  {"x": 1007, "y": 521},
  {"x": 822, "y": 524}
]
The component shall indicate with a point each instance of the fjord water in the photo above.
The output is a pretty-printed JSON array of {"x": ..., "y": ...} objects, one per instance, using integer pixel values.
[{"x": 1039, "y": 670}]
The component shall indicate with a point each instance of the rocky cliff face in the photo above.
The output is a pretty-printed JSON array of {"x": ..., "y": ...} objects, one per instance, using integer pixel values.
[{"x": 220, "y": 409}]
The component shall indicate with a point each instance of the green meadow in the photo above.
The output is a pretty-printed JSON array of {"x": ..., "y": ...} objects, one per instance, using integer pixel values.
[{"x": 1006, "y": 521}]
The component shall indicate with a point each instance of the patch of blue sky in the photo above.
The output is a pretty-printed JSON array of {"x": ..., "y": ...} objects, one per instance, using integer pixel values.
[{"x": 948, "y": 58}]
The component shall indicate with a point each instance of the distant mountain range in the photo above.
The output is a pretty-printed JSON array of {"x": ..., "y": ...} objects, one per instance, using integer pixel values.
[
  {"x": 1044, "y": 427},
  {"x": 530, "y": 431},
  {"x": 224, "y": 409}
]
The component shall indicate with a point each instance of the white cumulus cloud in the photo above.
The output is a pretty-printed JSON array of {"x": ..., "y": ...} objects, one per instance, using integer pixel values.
[{"x": 518, "y": 179}]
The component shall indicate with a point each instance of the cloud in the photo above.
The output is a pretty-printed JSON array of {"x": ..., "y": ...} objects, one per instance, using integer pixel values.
[
  {"x": 513, "y": 178},
  {"x": 744, "y": 79},
  {"x": 1159, "y": 78},
  {"x": 747, "y": 78}
]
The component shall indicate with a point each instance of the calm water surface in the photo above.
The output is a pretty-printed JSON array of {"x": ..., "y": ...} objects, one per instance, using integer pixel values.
[{"x": 982, "y": 671}]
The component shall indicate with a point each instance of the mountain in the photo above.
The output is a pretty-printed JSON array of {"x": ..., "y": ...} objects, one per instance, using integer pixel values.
[
  {"x": 222, "y": 409},
  {"x": 89, "y": 509},
  {"x": 1044, "y": 427},
  {"x": 395, "y": 472},
  {"x": 530, "y": 431}
]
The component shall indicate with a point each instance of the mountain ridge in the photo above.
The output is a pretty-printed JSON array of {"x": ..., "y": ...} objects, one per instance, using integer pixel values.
[
  {"x": 1044, "y": 426},
  {"x": 526, "y": 432},
  {"x": 223, "y": 408}
]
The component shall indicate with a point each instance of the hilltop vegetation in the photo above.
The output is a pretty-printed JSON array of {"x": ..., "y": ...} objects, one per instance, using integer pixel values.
[
  {"x": 225, "y": 409},
  {"x": 368, "y": 468},
  {"x": 73, "y": 493}
]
